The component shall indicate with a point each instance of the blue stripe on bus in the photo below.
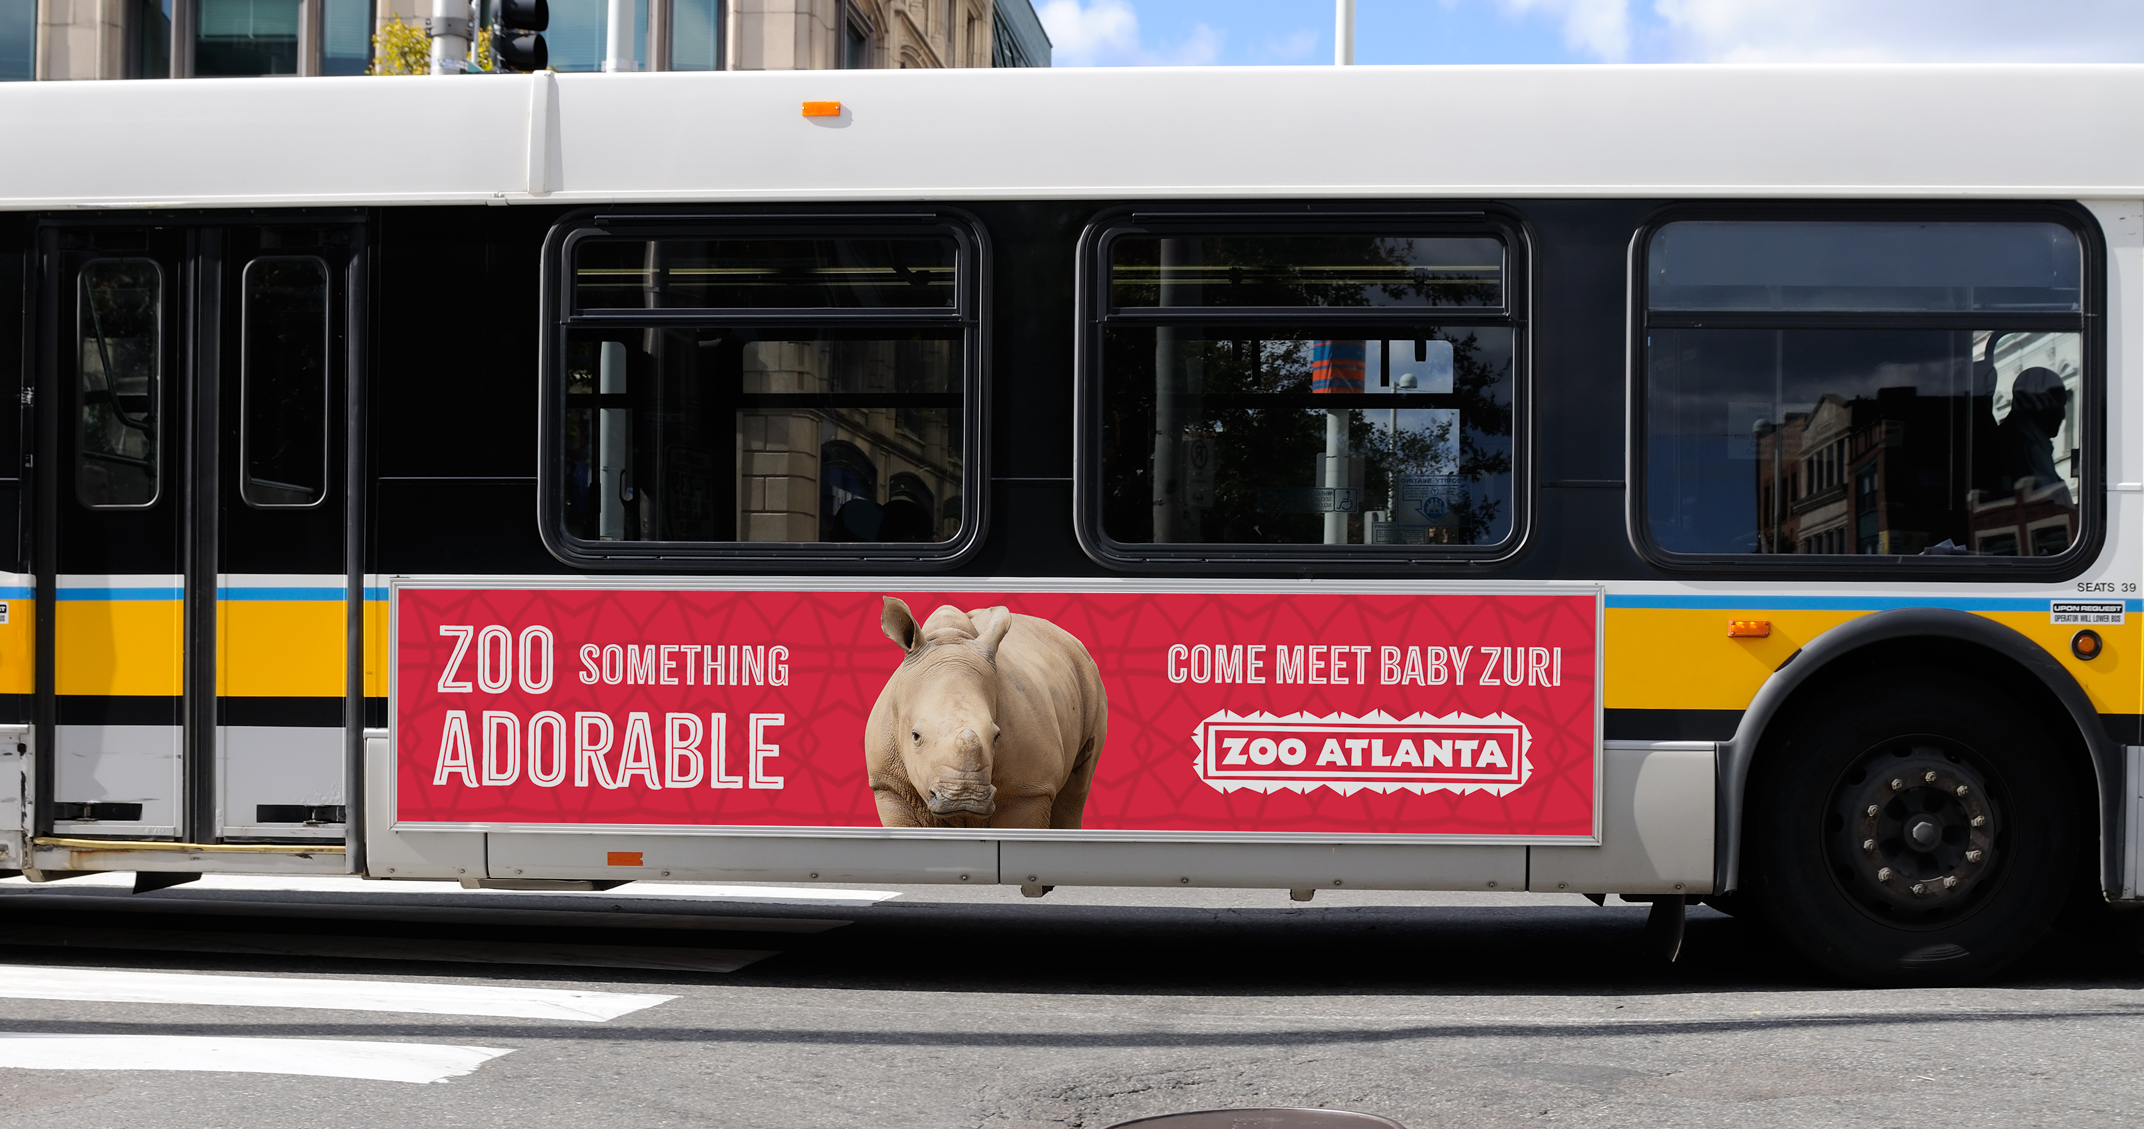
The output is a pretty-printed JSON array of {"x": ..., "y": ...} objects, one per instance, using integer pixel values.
[
  {"x": 285, "y": 594},
  {"x": 119, "y": 594},
  {"x": 1758, "y": 602},
  {"x": 17, "y": 592}
]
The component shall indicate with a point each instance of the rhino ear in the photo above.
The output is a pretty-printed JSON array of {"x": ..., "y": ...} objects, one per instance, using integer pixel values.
[
  {"x": 989, "y": 634},
  {"x": 899, "y": 625}
]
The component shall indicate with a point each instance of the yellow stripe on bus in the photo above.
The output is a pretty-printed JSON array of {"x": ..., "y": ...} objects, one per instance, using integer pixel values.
[
  {"x": 18, "y": 647},
  {"x": 1683, "y": 659},
  {"x": 280, "y": 648},
  {"x": 119, "y": 647}
]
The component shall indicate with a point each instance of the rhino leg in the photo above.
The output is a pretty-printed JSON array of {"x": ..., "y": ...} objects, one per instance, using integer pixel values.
[
  {"x": 895, "y": 810},
  {"x": 1070, "y": 810},
  {"x": 1022, "y": 811}
]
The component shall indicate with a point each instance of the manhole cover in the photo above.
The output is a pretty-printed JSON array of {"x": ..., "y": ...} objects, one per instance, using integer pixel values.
[{"x": 1262, "y": 1119}]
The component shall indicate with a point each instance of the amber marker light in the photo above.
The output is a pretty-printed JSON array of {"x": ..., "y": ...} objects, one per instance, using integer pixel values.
[
  {"x": 1748, "y": 628},
  {"x": 822, "y": 109},
  {"x": 625, "y": 858},
  {"x": 2087, "y": 645}
]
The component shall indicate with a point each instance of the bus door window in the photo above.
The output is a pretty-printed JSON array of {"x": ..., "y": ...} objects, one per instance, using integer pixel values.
[
  {"x": 1344, "y": 388},
  {"x": 283, "y": 433},
  {"x": 765, "y": 390},
  {"x": 119, "y": 337},
  {"x": 1876, "y": 389}
]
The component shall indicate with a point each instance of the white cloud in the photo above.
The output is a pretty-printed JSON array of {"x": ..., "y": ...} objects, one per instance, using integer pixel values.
[
  {"x": 1600, "y": 28},
  {"x": 1735, "y": 31},
  {"x": 1083, "y": 35},
  {"x": 1105, "y": 33}
]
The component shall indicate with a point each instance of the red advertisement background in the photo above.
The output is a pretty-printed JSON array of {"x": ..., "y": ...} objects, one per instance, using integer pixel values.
[{"x": 1146, "y": 780}]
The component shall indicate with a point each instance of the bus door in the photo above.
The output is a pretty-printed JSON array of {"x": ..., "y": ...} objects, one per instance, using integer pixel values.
[{"x": 190, "y": 486}]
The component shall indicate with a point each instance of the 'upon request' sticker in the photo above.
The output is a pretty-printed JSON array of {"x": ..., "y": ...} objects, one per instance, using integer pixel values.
[{"x": 2087, "y": 612}]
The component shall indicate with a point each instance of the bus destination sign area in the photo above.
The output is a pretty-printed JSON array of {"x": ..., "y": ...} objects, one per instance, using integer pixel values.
[{"x": 1471, "y": 717}]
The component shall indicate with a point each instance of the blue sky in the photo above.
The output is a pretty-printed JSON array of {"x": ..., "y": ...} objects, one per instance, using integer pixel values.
[{"x": 1251, "y": 32}]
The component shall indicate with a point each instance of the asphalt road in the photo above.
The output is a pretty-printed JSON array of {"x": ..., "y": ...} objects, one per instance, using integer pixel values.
[{"x": 976, "y": 1007}]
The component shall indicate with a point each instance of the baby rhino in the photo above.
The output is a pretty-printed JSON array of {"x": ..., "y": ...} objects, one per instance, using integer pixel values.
[{"x": 992, "y": 720}]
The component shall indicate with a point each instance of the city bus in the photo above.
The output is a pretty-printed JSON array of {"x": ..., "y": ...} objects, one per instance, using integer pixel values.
[{"x": 1688, "y": 484}]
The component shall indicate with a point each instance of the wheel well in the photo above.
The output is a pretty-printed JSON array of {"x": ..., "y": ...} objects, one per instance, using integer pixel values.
[{"x": 1884, "y": 660}]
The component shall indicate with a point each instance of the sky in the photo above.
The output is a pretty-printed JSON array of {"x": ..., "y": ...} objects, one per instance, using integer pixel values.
[{"x": 1266, "y": 32}]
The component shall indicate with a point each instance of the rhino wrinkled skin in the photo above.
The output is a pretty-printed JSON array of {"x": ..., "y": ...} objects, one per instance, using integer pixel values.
[{"x": 992, "y": 720}]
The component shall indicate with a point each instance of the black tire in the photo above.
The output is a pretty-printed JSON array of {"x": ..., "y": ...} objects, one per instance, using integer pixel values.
[{"x": 1909, "y": 768}]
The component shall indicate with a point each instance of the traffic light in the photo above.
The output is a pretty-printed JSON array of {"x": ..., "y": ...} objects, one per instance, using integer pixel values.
[{"x": 517, "y": 41}]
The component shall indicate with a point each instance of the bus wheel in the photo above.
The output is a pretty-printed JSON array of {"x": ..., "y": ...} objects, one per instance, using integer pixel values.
[{"x": 1920, "y": 835}]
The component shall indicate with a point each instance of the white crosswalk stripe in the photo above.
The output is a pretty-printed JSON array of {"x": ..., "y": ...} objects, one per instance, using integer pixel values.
[
  {"x": 375, "y": 1060},
  {"x": 321, "y": 1058},
  {"x": 23, "y": 982}
]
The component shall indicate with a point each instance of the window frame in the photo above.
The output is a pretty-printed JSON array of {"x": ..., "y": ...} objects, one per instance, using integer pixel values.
[
  {"x": 969, "y": 315},
  {"x": 156, "y": 390},
  {"x": 2089, "y": 322},
  {"x": 1095, "y": 315},
  {"x": 245, "y": 384}
]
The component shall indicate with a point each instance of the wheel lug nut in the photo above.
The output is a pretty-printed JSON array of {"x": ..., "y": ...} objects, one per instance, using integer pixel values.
[
  {"x": 1929, "y": 776},
  {"x": 1979, "y": 819},
  {"x": 1897, "y": 784},
  {"x": 1972, "y": 856},
  {"x": 1950, "y": 881},
  {"x": 1883, "y": 875},
  {"x": 1962, "y": 789},
  {"x": 1920, "y": 888},
  {"x": 1868, "y": 844},
  {"x": 1872, "y": 811}
]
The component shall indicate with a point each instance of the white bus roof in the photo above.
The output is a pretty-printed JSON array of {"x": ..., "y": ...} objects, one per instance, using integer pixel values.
[{"x": 2067, "y": 131}]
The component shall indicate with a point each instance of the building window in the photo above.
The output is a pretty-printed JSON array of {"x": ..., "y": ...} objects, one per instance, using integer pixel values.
[
  {"x": 1332, "y": 391},
  {"x": 18, "y": 41},
  {"x": 696, "y": 35},
  {"x": 763, "y": 391},
  {"x": 246, "y": 37},
  {"x": 345, "y": 36},
  {"x": 579, "y": 35},
  {"x": 1877, "y": 389},
  {"x": 855, "y": 41}
]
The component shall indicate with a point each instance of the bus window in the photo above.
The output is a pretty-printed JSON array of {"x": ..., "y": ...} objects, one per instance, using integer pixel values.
[
  {"x": 283, "y": 435},
  {"x": 764, "y": 391},
  {"x": 119, "y": 338},
  {"x": 1344, "y": 388},
  {"x": 1875, "y": 390},
  {"x": 764, "y": 274}
]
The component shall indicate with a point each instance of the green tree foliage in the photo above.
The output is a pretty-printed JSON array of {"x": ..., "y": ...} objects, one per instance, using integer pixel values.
[{"x": 401, "y": 48}]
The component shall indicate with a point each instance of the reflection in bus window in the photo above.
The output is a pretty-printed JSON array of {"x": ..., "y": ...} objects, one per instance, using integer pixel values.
[
  {"x": 1869, "y": 442},
  {"x": 1237, "y": 271},
  {"x": 763, "y": 435},
  {"x": 1861, "y": 265},
  {"x": 119, "y": 339},
  {"x": 284, "y": 433},
  {"x": 766, "y": 273},
  {"x": 1280, "y": 435}
]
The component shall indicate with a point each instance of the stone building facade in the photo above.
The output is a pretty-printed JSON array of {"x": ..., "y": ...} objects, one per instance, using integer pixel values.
[{"x": 117, "y": 39}]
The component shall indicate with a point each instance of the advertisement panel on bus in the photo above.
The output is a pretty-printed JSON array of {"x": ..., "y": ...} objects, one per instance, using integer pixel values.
[{"x": 1444, "y": 716}]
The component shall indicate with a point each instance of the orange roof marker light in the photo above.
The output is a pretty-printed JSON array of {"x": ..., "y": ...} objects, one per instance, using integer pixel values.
[
  {"x": 822, "y": 109},
  {"x": 1748, "y": 628}
]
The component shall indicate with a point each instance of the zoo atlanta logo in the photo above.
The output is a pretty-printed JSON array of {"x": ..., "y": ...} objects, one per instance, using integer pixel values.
[{"x": 1421, "y": 753}]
